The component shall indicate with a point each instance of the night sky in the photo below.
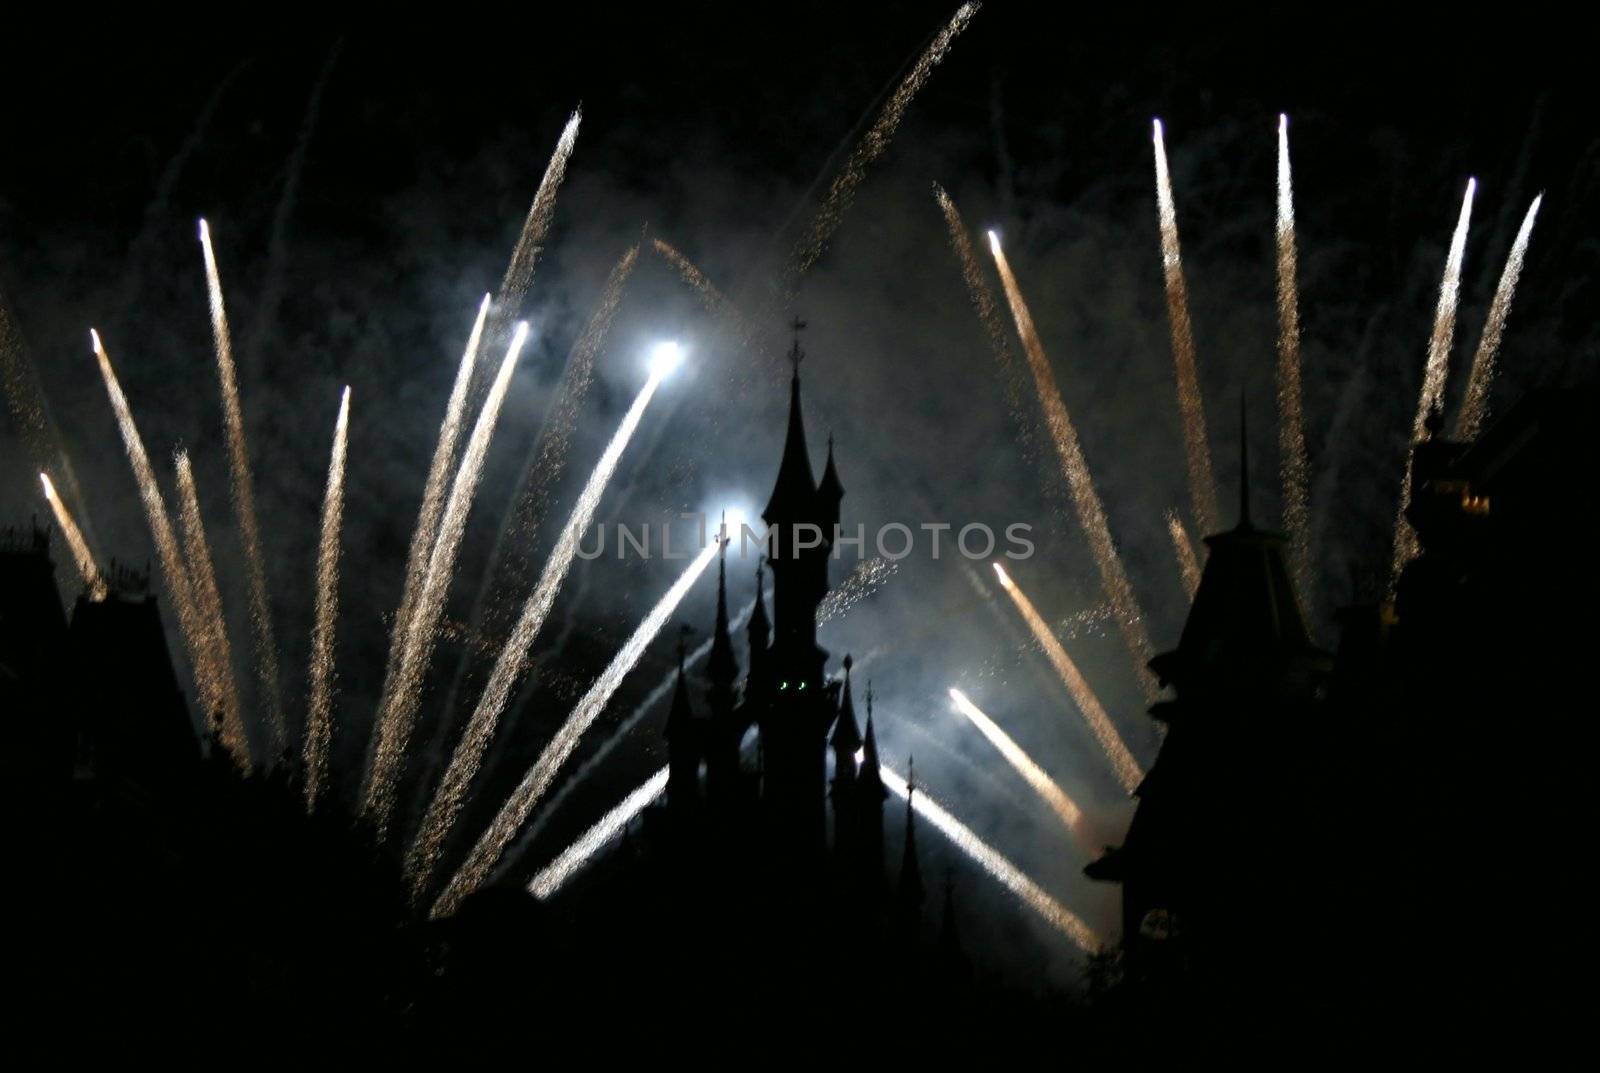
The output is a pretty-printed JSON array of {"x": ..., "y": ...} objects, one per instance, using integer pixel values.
[{"x": 364, "y": 190}]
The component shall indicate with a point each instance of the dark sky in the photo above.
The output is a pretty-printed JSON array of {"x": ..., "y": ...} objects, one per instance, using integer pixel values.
[{"x": 355, "y": 239}]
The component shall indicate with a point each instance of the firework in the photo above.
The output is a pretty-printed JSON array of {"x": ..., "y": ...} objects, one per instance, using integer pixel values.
[
  {"x": 867, "y": 578},
  {"x": 509, "y": 560},
  {"x": 319, "y": 707},
  {"x": 486, "y": 853},
  {"x": 1188, "y": 562},
  {"x": 191, "y": 629},
  {"x": 395, "y": 722},
  {"x": 551, "y": 877},
  {"x": 1476, "y": 403},
  {"x": 1091, "y": 513},
  {"x": 1013, "y": 378},
  {"x": 422, "y": 537},
  {"x": 509, "y": 665},
  {"x": 1010, "y": 876},
  {"x": 1191, "y": 407},
  {"x": 208, "y": 602},
  {"x": 81, "y": 556},
  {"x": 242, "y": 487},
  {"x": 1127, "y": 768},
  {"x": 530, "y": 242},
  {"x": 1043, "y": 784},
  {"x": 840, "y": 194},
  {"x": 1433, "y": 375},
  {"x": 1293, "y": 466}
]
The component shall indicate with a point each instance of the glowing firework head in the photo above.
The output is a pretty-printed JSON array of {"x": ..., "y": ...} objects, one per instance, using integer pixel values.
[
  {"x": 994, "y": 243},
  {"x": 49, "y": 489},
  {"x": 1005, "y": 578},
  {"x": 665, "y": 358},
  {"x": 81, "y": 556}
]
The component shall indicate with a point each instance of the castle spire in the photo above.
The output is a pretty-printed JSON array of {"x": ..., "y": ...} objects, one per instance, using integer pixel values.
[
  {"x": 911, "y": 889},
  {"x": 722, "y": 667},
  {"x": 795, "y": 488},
  {"x": 683, "y": 739}
]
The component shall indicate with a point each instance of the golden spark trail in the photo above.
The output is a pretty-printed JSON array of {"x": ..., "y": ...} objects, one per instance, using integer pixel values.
[
  {"x": 1010, "y": 876},
  {"x": 1191, "y": 405},
  {"x": 442, "y": 811},
  {"x": 191, "y": 629},
  {"x": 1091, "y": 513},
  {"x": 422, "y": 537},
  {"x": 551, "y": 877},
  {"x": 1293, "y": 465},
  {"x": 1122, "y": 762},
  {"x": 1046, "y": 787},
  {"x": 92, "y": 579},
  {"x": 1433, "y": 376},
  {"x": 842, "y": 192},
  {"x": 30, "y": 414},
  {"x": 530, "y": 242},
  {"x": 208, "y": 602},
  {"x": 1188, "y": 562},
  {"x": 242, "y": 486},
  {"x": 486, "y": 854},
  {"x": 395, "y": 723},
  {"x": 1476, "y": 403},
  {"x": 319, "y": 706}
]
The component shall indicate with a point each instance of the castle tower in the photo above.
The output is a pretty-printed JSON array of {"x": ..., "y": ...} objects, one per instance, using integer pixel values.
[
  {"x": 685, "y": 736},
  {"x": 846, "y": 742},
  {"x": 794, "y": 719},
  {"x": 869, "y": 798},
  {"x": 724, "y": 728}
]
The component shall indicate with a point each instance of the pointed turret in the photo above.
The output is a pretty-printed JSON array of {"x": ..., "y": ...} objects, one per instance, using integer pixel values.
[
  {"x": 794, "y": 492},
  {"x": 683, "y": 741},
  {"x": 829, "y": 491},
  {"x": 869, "y": 798},
  {"x": 725, "y": 727},
  {"x": 846, "y": 741},
  {"x": 759, "y": 632},
  {"x": 911, "y": 893}
]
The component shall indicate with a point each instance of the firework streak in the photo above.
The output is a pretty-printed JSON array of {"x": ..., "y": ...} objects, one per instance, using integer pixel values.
[{"x": 319, "y": 706}]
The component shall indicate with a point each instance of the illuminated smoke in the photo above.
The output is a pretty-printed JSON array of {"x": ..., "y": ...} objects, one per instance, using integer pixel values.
[
  {"x": 319, "y": 706},
  {"x": 1188, "y": 563},
  {"x": 1433, "y": 376},
  {"x": 242, "y": 486},
  {"x": 1010, "y": 876},
  {"x": 512, "y": 661},
  {"x": 1293, "y": 466},
  {"x": 530, "y": 242},
  {"x": 208, "y": 602},
  {"x": 863, "y": 581},
  {"x": 191, "y": 629},
  {"x": 1122, "y": 762},
  {"x": 1043, "y": 784},
  {"x": 81, "y": 556},
  {"x": 1091, "y": 514},
  {"x": 551, "y": 877},
  {"x": 1191, "y": 406},
  {"x": 422, "y": 537},
  {"x": 397, "y": 718},
  {"x": 510, "y": 561},
  {"x": 1476, "y": 403},
  {"x": 840, "y": 194},
  {"x": 486, "y": 853}
]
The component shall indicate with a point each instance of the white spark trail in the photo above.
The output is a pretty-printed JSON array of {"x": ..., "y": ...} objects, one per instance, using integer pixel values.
[
  {"x": 1475, "y": 406},
  {"x": 487, "y": 852},
  {"x": 992, "y": 861},
  {"x": 465, "y": 761},
  {"x": 319, "y": 707},
  {"x": 1046, "y": 787},
  {"x": 395, "y": 725},
  {"x": 242, "y": 487},
  {"x": 530, "y": 242},
  {"x": 552, "y": 876},
  {"x": 1433, "y": 376}
]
